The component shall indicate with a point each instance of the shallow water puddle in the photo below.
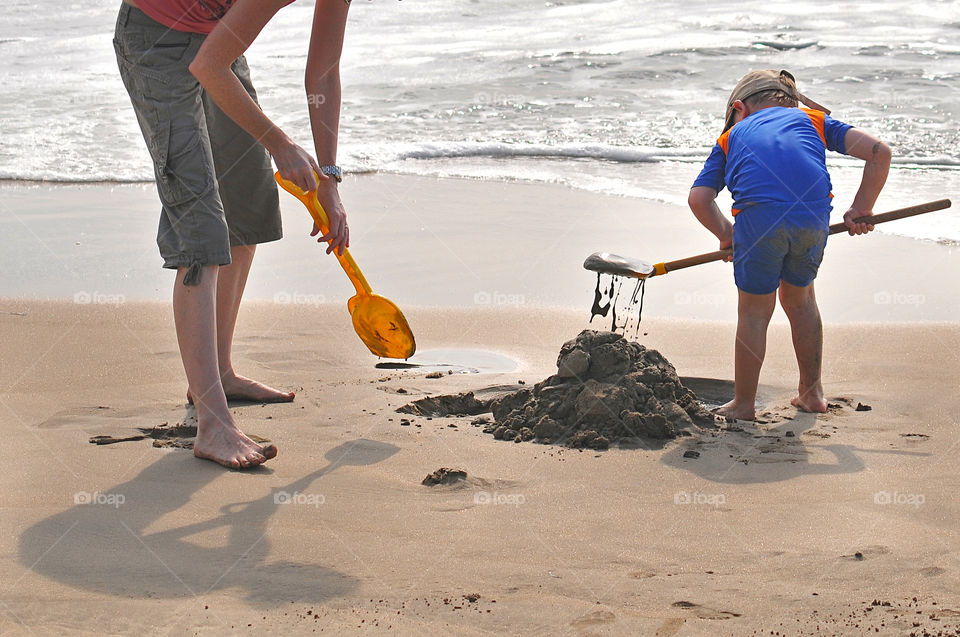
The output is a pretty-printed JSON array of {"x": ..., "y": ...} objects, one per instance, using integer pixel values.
[{"x": 456, "y": 361}]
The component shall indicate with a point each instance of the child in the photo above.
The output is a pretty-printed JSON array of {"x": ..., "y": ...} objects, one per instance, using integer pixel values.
[{"x": 772, "y": 158}]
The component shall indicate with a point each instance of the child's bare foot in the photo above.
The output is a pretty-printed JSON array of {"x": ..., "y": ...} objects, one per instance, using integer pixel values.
[
  {"x": 225, "y": 444},
  {"x": 811, "y": 400},
  {"x": 241, "y": 388},
  {"x": 739, "y": 412}
]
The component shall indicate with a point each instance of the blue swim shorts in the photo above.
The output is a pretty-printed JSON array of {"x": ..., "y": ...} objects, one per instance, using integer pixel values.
[{"x": 773, "y": 243}]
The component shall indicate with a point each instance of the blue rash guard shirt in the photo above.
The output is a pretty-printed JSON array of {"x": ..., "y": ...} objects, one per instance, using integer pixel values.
[{"x": 777, "y": 156}]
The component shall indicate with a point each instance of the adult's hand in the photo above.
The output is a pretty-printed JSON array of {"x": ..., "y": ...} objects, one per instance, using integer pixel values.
[
  {"x": 338, "y": 234},
  {"x": 296, "y": 165}
]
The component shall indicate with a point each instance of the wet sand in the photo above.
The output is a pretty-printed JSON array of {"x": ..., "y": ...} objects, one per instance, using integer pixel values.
[{"x": 800, "y": 524}]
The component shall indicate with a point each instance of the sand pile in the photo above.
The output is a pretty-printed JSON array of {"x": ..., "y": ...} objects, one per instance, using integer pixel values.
[{"x": 606, "y": 389}]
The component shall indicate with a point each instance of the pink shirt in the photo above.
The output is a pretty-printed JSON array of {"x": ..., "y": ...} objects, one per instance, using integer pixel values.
[{"x": 193, "y": 16}]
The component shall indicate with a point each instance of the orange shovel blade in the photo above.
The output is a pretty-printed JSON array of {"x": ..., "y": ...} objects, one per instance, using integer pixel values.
[{"x": 381, "y": 326}]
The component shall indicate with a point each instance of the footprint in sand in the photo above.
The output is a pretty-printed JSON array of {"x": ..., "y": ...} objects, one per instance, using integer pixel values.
[
  {"x": 670, "y": 627},
  {"x": 591, "y": 620},
  {"x": 641, "y": 574},
  {"x": 704, "y": 612}
]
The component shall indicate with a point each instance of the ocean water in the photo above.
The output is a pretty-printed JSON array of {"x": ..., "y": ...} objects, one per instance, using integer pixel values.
[{"x": 615, "y": 96}]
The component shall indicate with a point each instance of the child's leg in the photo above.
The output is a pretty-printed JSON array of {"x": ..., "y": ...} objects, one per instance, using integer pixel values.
[
  {"x": 754, "y": 312},
  {"x": 800, "y": 305}
]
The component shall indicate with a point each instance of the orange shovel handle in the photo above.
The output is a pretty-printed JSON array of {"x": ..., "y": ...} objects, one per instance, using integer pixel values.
[{"x": 309, "y": 199}]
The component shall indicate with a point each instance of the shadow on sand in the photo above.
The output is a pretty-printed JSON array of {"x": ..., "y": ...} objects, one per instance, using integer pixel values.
[
  {"x": 122, "y": 544},
  {"x": 746, "y": 453}
]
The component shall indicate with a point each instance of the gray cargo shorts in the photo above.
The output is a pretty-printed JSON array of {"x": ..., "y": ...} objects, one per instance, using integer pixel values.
[{"x": 215, "y": 181}]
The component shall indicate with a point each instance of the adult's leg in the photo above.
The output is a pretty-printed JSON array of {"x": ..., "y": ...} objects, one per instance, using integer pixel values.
[
  {"x": 800, "y": 305},
  {"x": 231, "y": 282},
  {"x": 192, "y": 234},
  {"x": 251, "y": 206},
  {"x": 753, "y": 317},
  {"x": 218, "y": 437}
]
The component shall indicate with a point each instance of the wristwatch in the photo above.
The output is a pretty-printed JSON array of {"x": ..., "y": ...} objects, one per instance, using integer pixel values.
[{"x": 332, "y": 171}]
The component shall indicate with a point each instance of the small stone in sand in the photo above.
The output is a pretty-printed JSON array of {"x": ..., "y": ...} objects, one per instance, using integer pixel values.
[
  {"x": 690, "y": 453},
  {"x": 861, "y": 407},
  {"x": 443, "y": 475},
  {"x": 790, "y": 434},
  {"x": 434, "y": 375}
]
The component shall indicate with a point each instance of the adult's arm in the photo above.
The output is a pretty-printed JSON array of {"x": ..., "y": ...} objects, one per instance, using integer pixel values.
[
  {"x": 322, "y": 83},
  {"x": 211, "y": 66}
]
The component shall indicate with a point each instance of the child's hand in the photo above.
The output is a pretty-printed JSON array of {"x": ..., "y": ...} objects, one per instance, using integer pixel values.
[
  {"x": 857, "y": 228},
  {"x": 727, "y": 244}
]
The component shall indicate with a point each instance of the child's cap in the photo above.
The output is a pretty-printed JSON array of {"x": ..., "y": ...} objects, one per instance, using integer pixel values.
[{"x": 759, "y": 81}]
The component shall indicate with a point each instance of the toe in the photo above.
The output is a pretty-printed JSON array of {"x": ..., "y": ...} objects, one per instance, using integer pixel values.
[{"x": 269, "y": 451}]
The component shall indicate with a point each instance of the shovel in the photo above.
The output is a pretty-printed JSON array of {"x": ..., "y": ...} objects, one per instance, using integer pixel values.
[
  {"x": 377, "y": 320},
  {"x": 607, "y": 263}
]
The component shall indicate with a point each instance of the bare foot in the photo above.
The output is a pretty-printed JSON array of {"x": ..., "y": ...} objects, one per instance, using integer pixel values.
[
  {"x": 240, "y": 388},
  {"x": 739, "y": 412},
  {"x": 811, "y": 400},
  {"x": 230, "y": 447}
]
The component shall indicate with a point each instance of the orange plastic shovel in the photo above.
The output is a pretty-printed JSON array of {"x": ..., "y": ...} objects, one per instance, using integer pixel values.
[{"x": 377, "y": 320}]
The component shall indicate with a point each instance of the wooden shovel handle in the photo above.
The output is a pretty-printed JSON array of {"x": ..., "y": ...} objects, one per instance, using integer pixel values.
[{"x": 893, "y": 215}]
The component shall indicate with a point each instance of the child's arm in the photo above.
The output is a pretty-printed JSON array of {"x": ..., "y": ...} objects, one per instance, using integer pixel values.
[
  {"x": 702, "y": 201},
  {"x": 877, "y": 155}
]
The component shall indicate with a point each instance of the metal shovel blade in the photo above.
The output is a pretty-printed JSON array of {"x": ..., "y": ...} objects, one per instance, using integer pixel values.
[{"x": 607, "y": 263}]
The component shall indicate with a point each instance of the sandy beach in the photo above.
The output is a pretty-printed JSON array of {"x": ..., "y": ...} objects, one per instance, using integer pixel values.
[{"x": 838, "y": 524}]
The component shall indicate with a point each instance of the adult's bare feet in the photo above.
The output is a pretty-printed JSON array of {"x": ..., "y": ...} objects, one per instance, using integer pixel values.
[
  {"x": 225, "y": 444},
  {"x": 740, "y": 412},
  {"x": 241, "y": 388},
  {"x": 811, "y": 400}
]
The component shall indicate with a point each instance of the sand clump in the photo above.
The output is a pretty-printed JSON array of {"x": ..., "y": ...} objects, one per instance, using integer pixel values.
[
  {"x": 444, "y": 475},
  {"x": 606, "y": 389}
]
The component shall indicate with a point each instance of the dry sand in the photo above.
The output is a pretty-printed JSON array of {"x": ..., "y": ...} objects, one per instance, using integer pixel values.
[{"x": 849, "y": 524}]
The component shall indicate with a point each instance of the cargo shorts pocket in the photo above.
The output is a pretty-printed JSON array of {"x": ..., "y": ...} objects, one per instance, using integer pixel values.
[
  {"x": 183, "y": 163},
  {"x": 160, "y": 48}
]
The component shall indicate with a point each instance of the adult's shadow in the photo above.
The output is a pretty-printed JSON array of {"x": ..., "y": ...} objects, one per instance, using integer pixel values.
[
  {"x": 757, "y": 455},
  {"x": 120, "y": 543}
]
